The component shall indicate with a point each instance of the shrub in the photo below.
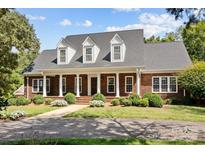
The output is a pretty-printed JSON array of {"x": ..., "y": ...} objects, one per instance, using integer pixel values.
[
  {"x": 96, "y": 103},
  {"x": 38, "y": 99},
  {"x": 121, "y": 100},
  {"x": 193, "y": 80},
  {"x": 134, "y": 98},
  {"x": 48, "y": 101},
  {"x": 126, "y": 102},
  {"x": 3, "y": 115},
  {"x": 182, "y": 101},
  {"x": 70, "y": 98},
  {"x": 11, "y": 101},
  {"x": 115, "y": 102},
  {"x": 144, "y": 102},
  {"x": 22, "y": 101},
  {"x": 99, "y": 96},
  {"x": 168, "y": 101},
  {"x": 17, "y": 114},
  {"x": 3, "y": 103},
  {"x": 59, "y": 103},
  {"x": 155, "y": 100}
]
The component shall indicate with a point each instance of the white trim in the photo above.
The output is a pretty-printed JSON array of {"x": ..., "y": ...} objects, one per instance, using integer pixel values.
[
  {"x": 168, "y": 84},
  {"x": 126, "y": 84},
  {"x": 59, "y": 55},
  {"x": 98, "y": 83},
  {"x": 113, "y": 53},
  {"x": 108, "y": 77},
  {"x": 75, "y": 85},
  {"x": 84, "y": 54},
  {"x": 48, "y": 91}
]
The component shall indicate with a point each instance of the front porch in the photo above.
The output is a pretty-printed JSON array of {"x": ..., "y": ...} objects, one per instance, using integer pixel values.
[{"x": 109, "y": 84}]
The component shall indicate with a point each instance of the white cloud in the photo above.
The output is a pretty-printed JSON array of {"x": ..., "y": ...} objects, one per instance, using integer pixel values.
[
  {"x": 152, "y": 24},
  {"x": 87, "y": 23},
  {"x": 40, "y": 18},
  {"x": 125, "y": 10},
  {"x": 65, "y": 22}
]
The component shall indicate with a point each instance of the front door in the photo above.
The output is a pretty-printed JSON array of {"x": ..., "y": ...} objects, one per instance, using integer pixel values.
[{"x": 93, "y": 85}]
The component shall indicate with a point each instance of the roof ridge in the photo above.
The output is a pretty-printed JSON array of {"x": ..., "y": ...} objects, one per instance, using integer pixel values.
[{"x": 152, "y": 43}]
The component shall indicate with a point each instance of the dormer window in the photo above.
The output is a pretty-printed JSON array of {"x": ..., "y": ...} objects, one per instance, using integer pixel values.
[
  {"x": 62, "y": 56},
  {"x": 117, "y": 53},
  {"x": 117, "y": 49},
  {"x": 88, "y": 54}
]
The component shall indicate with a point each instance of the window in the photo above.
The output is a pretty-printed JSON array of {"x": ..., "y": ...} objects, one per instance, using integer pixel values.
[
  {"x": 128, "y": 84},
  {"x": 64, "y": 85},
  {"x": 62, "y": 56},
  {"x": 37, "y": 85},
  {"x": 164, "y": 84},
  {"x": 80, "y": 84},
  {"x": 88, "y": 54},
  {"x": 111, "y": 84},
  {"x": 117, "y": 52}
]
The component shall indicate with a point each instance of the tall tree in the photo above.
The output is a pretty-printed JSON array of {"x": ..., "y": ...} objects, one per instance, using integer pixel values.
[
  {"x": 193, "y": 15},
  {"x": 15, "y": 33},
  {"x": 194, "y": 40},
  {"x": 169, "y": 37}
]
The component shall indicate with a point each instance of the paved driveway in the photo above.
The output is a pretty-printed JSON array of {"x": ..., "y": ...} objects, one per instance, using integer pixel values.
[{"x": 101, "y": 128}]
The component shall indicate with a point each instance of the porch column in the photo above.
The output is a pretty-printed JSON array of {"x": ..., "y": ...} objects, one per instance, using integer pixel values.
[
  {"x": 27, "y": 87},
  {"x": 138, "y": 78},
  {"x": 117, "y": 85},
  {"x": 98, "y": 83},
  {"x": 44, "y": 86},
  {"x": 89, "y": 87},
  {"x": 61, "y": 85},
  {"x": 78, "y": 87}
]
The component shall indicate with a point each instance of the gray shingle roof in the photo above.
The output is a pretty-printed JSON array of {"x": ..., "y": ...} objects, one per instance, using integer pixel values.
[{"x": 152, "y": 56}]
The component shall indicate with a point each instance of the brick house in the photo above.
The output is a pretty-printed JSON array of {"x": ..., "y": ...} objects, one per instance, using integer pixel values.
[{"x": 112, "y": 63}]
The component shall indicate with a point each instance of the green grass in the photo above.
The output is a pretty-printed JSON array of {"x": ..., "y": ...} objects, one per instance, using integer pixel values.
[
  {"x": 169, "y": 112},
  {"x": 92, "y": 141},
  {"x": 32, "y": 110}
]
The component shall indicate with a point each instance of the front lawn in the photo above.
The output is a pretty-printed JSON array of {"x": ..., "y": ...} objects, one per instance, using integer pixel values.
[
  {"x": 93, "y": 141},
  {"x": 168, "y": 112},
  {"x": 32, "y": 110}
]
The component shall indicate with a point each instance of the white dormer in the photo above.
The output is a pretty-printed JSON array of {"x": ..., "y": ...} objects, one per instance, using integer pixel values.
[
  {"x": 90, "y": 51},
  {"x": 118, "y": 49},
  {"x": 64, "y": 52}
]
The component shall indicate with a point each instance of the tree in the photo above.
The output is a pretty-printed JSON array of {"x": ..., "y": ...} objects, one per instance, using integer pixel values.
[
  {"x": 169, "y": 37},
  {"x": 194, "y": 40},
  {"x": 193, "y": 15},
  {"x": 15, "y": 33},
  {"x": 193, "y": 80}
]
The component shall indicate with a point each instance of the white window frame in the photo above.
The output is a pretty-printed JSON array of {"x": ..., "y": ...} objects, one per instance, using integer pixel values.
[
  {"x": 126, "y": 83},
  {"x": 75, "y": 84},
  {"x": 84, "y": 54},
  {"x": 110, "y": 77},
  {"x": 59, "y": 50},
  {"x": 38, "y": 80},
  {"x": 64, "y": 90},
  {"x": 113, "y": 52},
  {"x": 168, "y": 84}
]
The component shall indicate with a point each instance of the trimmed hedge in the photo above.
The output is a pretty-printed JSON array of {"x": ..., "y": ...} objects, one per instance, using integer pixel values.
[
  {"x": 127, "y": 102},
  {"x": 96, "y": 103},
  {"x": 144, "y": 102},
  {"x": 134, "y": 98},
  {"x": 11, "y": 101},
  {"x": 99, "y": 96},
  {"x": 70, "y": 98},
  {"x": 22, "y": 101},
  {"x": 38, "y": 99},
  {"x": 115, "y": 102},
  {"x": 155, "y": 100}
]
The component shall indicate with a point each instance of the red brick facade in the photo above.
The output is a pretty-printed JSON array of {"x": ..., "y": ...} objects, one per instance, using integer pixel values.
[{"x": 146, "y": 84}]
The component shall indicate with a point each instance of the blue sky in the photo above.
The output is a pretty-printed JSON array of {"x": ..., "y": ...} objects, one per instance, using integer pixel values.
[{"x": 53, "y": 24}]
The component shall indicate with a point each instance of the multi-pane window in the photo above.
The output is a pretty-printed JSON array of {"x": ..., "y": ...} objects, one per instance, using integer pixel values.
[
  {"x": 117, "y": 52},
  {"x": 164, "y": 84},
  {"x": 62, "y": 56},
  {"x": 64, "y": 85},
  {"x": 80, "y": 84},
  {"x": 111, "y": 84},
  {"x": 37, "y": 85},
  {"x": 128, "y": 84},
  {"x": 88, "y": 54}
]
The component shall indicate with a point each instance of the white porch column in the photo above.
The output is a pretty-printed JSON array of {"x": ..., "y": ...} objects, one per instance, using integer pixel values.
[
  {"x": 61, "y": 85},
  {"x": 27, "y": 87},
  {"x": 78, "y": 87},
  {"x": 89, "y": 87},
  {"x": 138, "y": 77},
  {"x": 98, "y": 83},
  {"x": 44, "y": 86},
  {"x": 117, "y": 85}
]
